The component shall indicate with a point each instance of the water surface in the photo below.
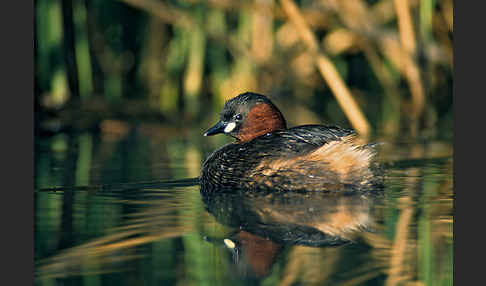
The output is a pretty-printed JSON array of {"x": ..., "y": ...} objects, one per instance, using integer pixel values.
[{"x": 125, "y": 208}]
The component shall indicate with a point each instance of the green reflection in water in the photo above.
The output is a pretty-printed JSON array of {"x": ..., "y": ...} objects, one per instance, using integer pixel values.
[
  {"x": 84, "y": 160},
  {"x": 156, "y": 236}
]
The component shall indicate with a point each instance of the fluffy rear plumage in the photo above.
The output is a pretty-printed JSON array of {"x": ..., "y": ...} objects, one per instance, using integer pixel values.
[{"x": 310, "y": 157}]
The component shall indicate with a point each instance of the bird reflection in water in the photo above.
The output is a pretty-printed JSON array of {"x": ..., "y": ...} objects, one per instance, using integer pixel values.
[{"x": 267, "y": 222}]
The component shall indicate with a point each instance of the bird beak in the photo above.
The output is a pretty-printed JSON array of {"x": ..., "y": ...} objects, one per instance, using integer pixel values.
[{"x": 216, "y": 129}]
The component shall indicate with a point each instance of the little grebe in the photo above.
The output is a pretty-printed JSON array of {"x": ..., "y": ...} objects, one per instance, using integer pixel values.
[{"x": 266, "y": 155}]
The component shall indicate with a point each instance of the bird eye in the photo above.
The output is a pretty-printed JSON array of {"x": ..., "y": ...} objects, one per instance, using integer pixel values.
[{"x": 238, "y": 116}]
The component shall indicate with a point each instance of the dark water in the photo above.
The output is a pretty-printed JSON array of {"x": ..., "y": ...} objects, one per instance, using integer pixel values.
[{"x": 120, "y": 208}]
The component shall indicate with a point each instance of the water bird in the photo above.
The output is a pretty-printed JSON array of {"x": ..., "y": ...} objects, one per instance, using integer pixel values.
[{"x": 266, "y": 155}]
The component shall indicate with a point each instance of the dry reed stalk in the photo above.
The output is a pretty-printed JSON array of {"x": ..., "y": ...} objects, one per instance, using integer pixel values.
[
  {"x": 262, "y": 31},
  {"x": 448, "y": 14},
  {"x": 411, "y": 71},
  {"x": 361, "y": 21},
  {"x": 359, "y": 18},
  {"x": 408, "y": 67},
  {"x": 383, "y": 11},
  {"x": 328, "y": 70},
  {"x": 363, "y": 28},
  {"x": 389, "y": 85},
  {"x": 365, "y": 23},
  {"x": 339, "y": 41},
  {"x": 193, "y": 74},
  {"x": 407, "y": 34},
  {"x": 399, "y": 245}
]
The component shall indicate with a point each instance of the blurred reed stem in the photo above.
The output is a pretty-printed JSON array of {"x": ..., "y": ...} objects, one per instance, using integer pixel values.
[
  {"x": 198, "y": 52},
  {"x": 399, "y": 246},
  {"x": 411, "y": 70},
  {"x": 405, "y": 26},
  {"x": 153, "y": 69},
  {"x": 262, "y": 30},
  {"x": 193, "y": 76},
  {"x": 328, "y": 71},
  {"x": 83, "y": 55},
  {"x": 69, "y": 47},
  {"x": 95, "y": 49}
]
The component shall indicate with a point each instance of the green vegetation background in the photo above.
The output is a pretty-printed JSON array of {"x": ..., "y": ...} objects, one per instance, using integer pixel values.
[{"x": 178, "y": 61}]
